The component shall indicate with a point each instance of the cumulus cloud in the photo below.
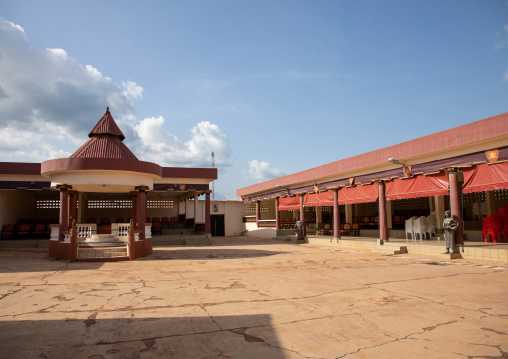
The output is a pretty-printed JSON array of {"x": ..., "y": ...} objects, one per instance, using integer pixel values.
[
  {"x": 503, "y": 38},
  {"x": 262, "y": 171},
  {"x": 159, "y": 145},
  {"x": 41, "y": 89},
  {"x": 49, "y": 102}
]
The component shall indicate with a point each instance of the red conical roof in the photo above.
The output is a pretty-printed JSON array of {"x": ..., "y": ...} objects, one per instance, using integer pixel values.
[
  {"x": 107, "y": 126},
  {"x": 105, "y": 141}
]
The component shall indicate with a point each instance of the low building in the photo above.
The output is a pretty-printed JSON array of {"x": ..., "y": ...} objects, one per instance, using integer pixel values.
[{"x": 464, "y": 169}]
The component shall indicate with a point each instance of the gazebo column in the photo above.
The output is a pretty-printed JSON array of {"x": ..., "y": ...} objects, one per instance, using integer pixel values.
[
  {"x": 277, "y": 214},
  {"x": 455, "y": 210},
  {"x": 135, "y": 198},
  {"x": 349, "y": 213},
  {"x": 440, "y": 210},
  {"x": 319, "y": 216},
  {"x": 81, "y": 208},
  {"x": 336, "y": 214},
  {"x": 258, "y": 213},
  {"x": 302, "y": 214},
  {"x": 64, "y": 209},
  {"x": 383, "y": 223},
  {"x": 196, "y": 202},
  {"x": 208, "y": 225},
  {"x": 141, "y": 210},
  {"x": 72, "y": 198}
]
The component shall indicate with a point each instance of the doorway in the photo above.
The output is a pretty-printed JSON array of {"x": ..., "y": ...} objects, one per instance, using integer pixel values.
[{"x": 217, "y": 222}]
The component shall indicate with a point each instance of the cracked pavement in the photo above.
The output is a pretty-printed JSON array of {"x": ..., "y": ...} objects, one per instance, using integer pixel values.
[{"x": 248, "y": 298}]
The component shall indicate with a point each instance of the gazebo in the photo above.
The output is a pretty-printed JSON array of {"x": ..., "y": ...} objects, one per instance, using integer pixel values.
[{"x": 104, "y": 167}]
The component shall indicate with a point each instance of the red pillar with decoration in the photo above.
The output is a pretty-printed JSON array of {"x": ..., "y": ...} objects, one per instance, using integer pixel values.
[
  {"x": 208, "y": 225},
  {"x": 455, "y": 208},
  {"x": 383, "y": 220},
  {"x": 302, "y": 214},
  {"x": 64, "y": 209},
  {"x": 336, "y": 214},
  {"x": 277, "y": 214}
]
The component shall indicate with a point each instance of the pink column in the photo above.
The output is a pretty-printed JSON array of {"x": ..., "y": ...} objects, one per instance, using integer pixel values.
[
  {"x": 277, "y": 214},
  {"x": 134, "y": 196},
  {"x": 64, "y": 209},
  {"x": 141, "y": 213},
  {"x": 258, "y": 212},
  {"x": 383, "y": 220},
  {"x": 336, "y": 214},
  {"x": 455, "y": 208},
  {"x": 208, "y": 225},
  {"x": 302, "y": 214},
  {"x": 72, "y": 196}
]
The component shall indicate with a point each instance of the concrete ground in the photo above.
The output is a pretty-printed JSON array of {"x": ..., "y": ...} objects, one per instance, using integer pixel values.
[{"x": 248, "y": 298}]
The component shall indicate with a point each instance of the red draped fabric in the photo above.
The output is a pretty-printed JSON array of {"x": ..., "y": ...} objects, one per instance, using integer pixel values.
[
  {"x": 289, "y": 203},
  {"x": 417, "y": 186},
  {"x": 487, "y": 177},
  {"x": 318, "y": 199},
  {"x": 358, "y": 194}
]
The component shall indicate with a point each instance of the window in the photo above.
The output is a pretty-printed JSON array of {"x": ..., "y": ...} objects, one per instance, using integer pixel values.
[
  {"x": 47, "y": 204},
  {"x": 159, "y": 204}
]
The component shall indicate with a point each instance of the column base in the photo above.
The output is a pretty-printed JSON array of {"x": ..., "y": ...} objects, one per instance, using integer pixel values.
[{"x": 380, "y": 242}]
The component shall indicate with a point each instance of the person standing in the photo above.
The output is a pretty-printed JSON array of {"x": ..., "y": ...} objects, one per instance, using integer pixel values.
[{"x": 449, "y": 225}]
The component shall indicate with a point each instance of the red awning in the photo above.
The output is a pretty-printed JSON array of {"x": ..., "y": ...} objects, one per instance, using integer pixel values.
[
  {"x": 289, "y": 203},
  {"x": 487, "y": 177},
  {"x": 319, "y": 199},
  {"x": 417, "y": 186},
  {"x": 358, "y": 194}
]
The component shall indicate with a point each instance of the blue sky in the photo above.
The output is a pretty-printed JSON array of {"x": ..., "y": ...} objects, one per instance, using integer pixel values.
[{"x": 272, "y": 87}]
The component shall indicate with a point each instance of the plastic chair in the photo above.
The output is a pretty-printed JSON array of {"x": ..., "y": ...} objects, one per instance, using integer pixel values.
[
  {"x": 476, "y": 211},
  {"x": 409, "y": 228},
  {"x": 346, "y": 229},
  {"x": 431, "y": 225},
  {"x": 355, "y": 229},
  {"x": 492, "y": 226},
  {"x": 420, "y": 227}
]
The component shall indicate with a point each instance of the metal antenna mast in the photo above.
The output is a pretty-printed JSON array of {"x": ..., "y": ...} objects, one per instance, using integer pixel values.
[{"x": 213, "y": 183}]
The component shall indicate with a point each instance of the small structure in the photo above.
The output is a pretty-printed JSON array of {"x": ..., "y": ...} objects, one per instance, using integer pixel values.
[
  {"x": 104, "y": 179},
  {"x": 462, "y": 169}
]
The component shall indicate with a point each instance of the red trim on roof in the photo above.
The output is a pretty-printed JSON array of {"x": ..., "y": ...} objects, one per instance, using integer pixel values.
[
  {"x": 289, "y": 203},
  {"x": 318, "y": 199},
  {"x": 20, "y": 168},
  {"x": 107, "y": 164},
  {"x": 487, "y": 177},
  {"x": 418, "y": 186},
  {"x": 187, "y": 172},
  {"x": 107, "y": 126},
  {"x": 104, "y": 146},
  {"x": 483, "y": 130},
  {"x": 358, "y": 194}
]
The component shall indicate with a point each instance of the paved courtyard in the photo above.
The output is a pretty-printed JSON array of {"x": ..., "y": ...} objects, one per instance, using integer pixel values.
[{"x": 247, "y": 298}]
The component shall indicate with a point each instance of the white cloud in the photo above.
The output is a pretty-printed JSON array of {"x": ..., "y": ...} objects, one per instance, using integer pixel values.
[
  {"x": 262, "y": 171},
  {"x": 162, "y": 147},
  {"x": 49, "y": 102},
  {"x": 43, "y": 90},
  {"x": 503, "y": 41}
]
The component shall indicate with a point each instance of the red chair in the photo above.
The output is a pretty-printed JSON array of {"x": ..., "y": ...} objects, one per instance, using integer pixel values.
[
  {"x": 345, "y": 229},
  {"x": 504, "y": 225},
  {"x": 24, "y": 229},
  {"x": 503, "y": 209},
  {"x": 39, "y": 230},
  {"x": 355, "y": 229},
  {"x": 173, "y": 223},
  {"x": 156, "y": 227},
  {"x": 156, "y": 220},
  {"x": 492, "y": 226},
  {"x": 7, "y": 230},
  {"x": 120, "y": 220},
  {"x": 165, "y": 222}
]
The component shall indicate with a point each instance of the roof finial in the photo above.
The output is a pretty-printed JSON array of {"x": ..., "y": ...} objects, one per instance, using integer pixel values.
[{"x": 107, "y": 109}]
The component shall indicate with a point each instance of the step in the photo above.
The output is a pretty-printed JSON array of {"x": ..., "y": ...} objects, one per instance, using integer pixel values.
[
  {"x": 392, "y": 249},
  {"x": 102, "y": 252}
]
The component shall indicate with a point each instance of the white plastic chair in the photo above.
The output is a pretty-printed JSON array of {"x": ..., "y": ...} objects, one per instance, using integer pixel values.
[
  {"x": 409, "y": 228},
  {"x": 476, "y": 211},
  {"x": 420, "y": 227},
  {"x": 483, "y": 209},
  {"x": 431, "y": 225}
]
